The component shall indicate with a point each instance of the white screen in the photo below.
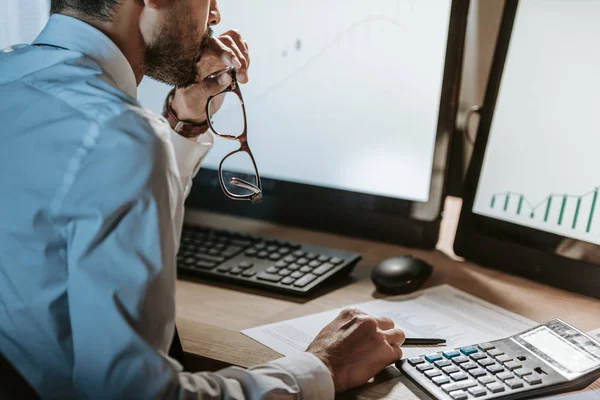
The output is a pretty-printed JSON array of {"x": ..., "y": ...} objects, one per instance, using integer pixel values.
[
  {"x": 541, "y": 167},
  {"x": 342, "y": 94}
]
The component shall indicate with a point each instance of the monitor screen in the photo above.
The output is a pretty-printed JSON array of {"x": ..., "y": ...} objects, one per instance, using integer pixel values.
[
  {"x": 342, "y": 97},
  {"x": 540, "y": 168}
]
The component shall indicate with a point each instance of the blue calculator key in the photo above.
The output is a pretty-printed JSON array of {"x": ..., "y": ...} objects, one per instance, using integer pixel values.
[
  {"x": 442, "y": 363},
  {"x": 468, "y": 350},
  {"x": 451, "y": 353},
  {"x": 424, "y": 367},
  {"x": 415, "y": 361},
  {"x": 433, "y": 357}
]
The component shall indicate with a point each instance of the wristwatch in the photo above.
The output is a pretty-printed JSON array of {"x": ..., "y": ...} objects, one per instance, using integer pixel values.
[{"x": 184, "y": 128}]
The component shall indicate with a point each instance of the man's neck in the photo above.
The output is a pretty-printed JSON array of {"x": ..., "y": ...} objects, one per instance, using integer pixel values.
[{"x": 124, "y": 31}]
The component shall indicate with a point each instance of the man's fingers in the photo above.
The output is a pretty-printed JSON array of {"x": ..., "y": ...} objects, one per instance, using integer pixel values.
[
  {"x": 394, "y": 336},
  {"x": 242, "y": 74},
  {"x": 241, "y": 44},
  {"x": 384, "y": 323},
  {"x": 218, "y": 49},
  {"x": 397, "y": 352}
]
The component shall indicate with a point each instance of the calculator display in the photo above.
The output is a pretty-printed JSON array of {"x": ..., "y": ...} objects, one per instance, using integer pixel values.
[{"x": 558, "y": 351}]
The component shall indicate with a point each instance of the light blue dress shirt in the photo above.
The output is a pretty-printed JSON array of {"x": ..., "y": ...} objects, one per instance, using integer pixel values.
[{"x": 92, "y": 187}]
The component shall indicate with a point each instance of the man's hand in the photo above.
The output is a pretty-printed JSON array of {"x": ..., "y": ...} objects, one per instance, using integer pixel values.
[
  {"x": 356, "y": 346},
  {"x": 226, "y": 50}
]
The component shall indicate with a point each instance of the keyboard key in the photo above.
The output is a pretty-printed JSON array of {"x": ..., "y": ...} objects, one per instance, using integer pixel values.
[
  {"x": 297, "y": 274},
  {"x": 245, "y": 265},
  {"x": 288, "y": 280},
  {"x": 458, "y": 376},
  {"x": 514, "y": 383},
  {"x": 458, "y": 395},
  {"x": 532, "y": 379},
  {"x": 271, "y": 248},
  {"x": 281, "y": 264},
  {"x": 432, "y": 373},
  {"x": 484, "y": 380},
  {"x": 251, "y": 252},
  {"x": 224, "y": 268},
  {"x": 336, "y": 260},
  {"x": 451, "y": 353},
  {"x": 484, "y": 362},
  {"x": 503, "y": 359},
  {"x": 469, "y": 365},
  {"x": 305, "y": 280},
  {"x": 260, "y": 246},
  {"x": 477, "y": 372},
  {"x": 299, "y": 253},
  {"x": 311, "y": 256},
  {"x": 207, "y": 257},
  {"x": 272, "y": 270},
  {"x": 477, "y": 391},
  {"x": 249, "y": 273},
  {"x": 442, "y": 363},
  {"x": 289, "y": 259},
  {"x": 468, "y": 350},
  {"x": 231, "y": 251},
  {"x": 293, "y": 267},
  {"x": 274, "y": 256},
  {"x": 306, "y": 269},
  {"x": 424, "y": 367},
  {"x": 415, "y": 361},
  {"x": 302, "y": 261},
  {"x": 504, "y": 376},
  {"x": 486, "y": 346},
  {"x": 284, "y": 272},
  {"x": 433, "y": 357},
  {"x": 314, "y": 263},
  {"x": 495, "y": 387},
  {"x": 521, "y": 372},
  {"x": 495, "y": 368},
  {"x": 262, "y": 254},
  {"x": 512, "y": 365},
  {"x": 323, "y": 258},
  {"x": 460, "y": 360},
  {"x": 236, "y": 271},
  {"x": 450, "y": 387},
  {"x": 495, "y": 353},
  {"x": 265, "y": 276},
  {"x": 478, "y": 356},
  {"x": 440, "y": 380},
  {"x": 283, "y": 251},
  {"x": 204, "y": 264},
  {"x": 323, "y": 269},
  {"x": 450, "y": 369}
]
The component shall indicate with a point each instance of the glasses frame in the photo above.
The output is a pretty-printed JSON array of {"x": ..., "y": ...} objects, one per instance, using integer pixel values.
[{"x": 256, "y": 196}]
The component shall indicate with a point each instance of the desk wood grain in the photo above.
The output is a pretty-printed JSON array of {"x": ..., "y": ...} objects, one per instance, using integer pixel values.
[{"x": 210, "y": 316}]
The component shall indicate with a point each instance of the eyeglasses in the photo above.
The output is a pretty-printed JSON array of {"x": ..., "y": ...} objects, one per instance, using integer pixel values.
[{"x": 238, "y": 174}]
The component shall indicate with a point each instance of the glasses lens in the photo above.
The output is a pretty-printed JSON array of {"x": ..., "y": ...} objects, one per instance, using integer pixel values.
[
  {"x": 239, "y": 175},
  {"x": 227, "y": 114}
]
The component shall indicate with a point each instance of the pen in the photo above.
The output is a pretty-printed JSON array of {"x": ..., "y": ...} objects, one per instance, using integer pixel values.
[{"x": 423, "y": 341}]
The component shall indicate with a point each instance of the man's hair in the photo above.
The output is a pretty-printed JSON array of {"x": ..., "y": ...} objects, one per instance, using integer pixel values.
[{"x": 101, "y": 10}]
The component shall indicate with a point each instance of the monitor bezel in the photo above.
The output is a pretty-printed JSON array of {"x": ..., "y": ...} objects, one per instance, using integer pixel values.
[
  {"x": 505, "y": 246},
  {"x": 409, "y": 223}
]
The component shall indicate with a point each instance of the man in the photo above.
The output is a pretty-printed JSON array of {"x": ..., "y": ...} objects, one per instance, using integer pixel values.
[{"x": 91, "y": 204}]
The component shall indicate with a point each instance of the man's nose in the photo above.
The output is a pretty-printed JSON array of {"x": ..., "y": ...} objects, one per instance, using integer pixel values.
[{"x": 214, "y": 17}]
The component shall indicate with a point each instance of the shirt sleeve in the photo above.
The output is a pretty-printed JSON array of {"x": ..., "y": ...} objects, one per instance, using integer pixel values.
[{"x": 116, "y": 217}]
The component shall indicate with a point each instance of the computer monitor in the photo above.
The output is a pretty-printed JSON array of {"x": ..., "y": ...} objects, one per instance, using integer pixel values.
[
  {"x": 532, "y": 205},
  {"x": 350, "y": 110}
]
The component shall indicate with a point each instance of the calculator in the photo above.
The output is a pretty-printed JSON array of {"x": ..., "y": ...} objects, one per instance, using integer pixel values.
[{"x": 549, "y": 359}]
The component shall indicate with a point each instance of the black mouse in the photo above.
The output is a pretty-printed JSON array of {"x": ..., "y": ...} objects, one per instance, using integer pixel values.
[{"x": 400, "y": 275}]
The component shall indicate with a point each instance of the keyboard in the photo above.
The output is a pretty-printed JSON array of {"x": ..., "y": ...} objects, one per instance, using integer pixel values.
[{"x": 262, "y": 262}]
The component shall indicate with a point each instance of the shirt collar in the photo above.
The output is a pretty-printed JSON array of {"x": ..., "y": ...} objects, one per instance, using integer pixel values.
[{"x": 73, "y": 34}]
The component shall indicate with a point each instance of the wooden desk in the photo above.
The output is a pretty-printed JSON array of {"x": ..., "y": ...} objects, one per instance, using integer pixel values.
[{"x": 209, "y": 318}]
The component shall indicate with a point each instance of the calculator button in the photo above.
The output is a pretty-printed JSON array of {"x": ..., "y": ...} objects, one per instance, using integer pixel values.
[
  {"x": 433, "y": 357},
  {"x": 450, "y": 387},
  {"x": 477, "y": 391},
  {"x": 451, "y": 353},
  {"x": 450, "y": 369},
  {"x": 432, "y": 373},
  {"x": 424, "y": 367},
  {"x": 521, "y": 372},
  {"x": 495, "y": 353},
  {"x": 468, "y": 365},
  {"x": 415, "y": 361},
  {"x": 484, "y": 362},
  {"x": 442, "y": 363},
  {"x": 486, "y": 346},
  {"x": 514, "y": 383},
  {"x": 494, "y": 369},
  {"x": 460, "y": 360},
  {"x": 468, "y": 350},
  {"x": 458, "y": 376},
  {"x": 512, "y": 365},
  {"x": 478, "y": 356},
  {"x": 440, "y": 380},
  {"x": 484, "y": 380},
  {"x": 504, "y": 376},
  {"x": 532, "y": 379},
  {"x": 495, "y": 387},
  {"x": 458, "y": 395},
  {"x": 503, "y": 359},
  {"x": 477, "y": 372}
]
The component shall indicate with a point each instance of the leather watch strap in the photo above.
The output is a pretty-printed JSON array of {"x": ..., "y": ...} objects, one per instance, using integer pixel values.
[{"x": 184, "y": 128}]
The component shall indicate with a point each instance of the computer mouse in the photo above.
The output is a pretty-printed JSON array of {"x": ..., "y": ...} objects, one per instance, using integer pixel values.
[{"x": 400, "y": 275}]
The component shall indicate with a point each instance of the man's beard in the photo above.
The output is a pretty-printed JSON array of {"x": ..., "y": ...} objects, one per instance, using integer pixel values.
[{"x": 173, "y": 56}]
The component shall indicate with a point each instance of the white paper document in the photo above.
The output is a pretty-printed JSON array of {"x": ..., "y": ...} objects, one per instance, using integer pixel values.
[{"x": 442, "y": 311}]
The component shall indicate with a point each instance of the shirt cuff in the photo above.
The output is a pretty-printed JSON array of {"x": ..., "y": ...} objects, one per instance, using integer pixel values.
[
  {"x": 189, "y": 154},
  {"x": 313, "y": 377}
]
